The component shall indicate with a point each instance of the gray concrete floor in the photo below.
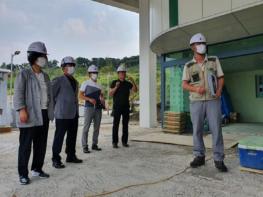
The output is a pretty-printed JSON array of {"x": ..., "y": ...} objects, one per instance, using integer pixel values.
[{"x": 113, "y": 169}]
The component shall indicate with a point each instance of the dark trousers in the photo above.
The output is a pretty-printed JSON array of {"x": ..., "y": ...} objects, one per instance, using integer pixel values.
[
  {"x": 38, "y": 135},
  {"x": 63, "y": 126},
  {"x": 117, "y": 113}
]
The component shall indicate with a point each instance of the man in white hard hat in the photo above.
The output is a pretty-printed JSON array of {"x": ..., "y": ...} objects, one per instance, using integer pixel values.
[
  {"x": 120, "y": 91},
  {"x": 34, "y": 106},
  {"x": 91, "y": 93},
  {"x": 65, "y": 94},
  {"x": 205, "y": 100}
]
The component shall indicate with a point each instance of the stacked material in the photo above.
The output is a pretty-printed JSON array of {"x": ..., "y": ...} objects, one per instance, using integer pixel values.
[
  {"x": 5, "y": 129},
  {"x": 174, "y": 122}
]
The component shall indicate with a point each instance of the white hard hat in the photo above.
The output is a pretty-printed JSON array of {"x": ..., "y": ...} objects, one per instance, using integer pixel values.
[
  {"x": 38, "y": 47},
  {"x": 93, "y": 69},
  {"x": 67, "y": 60},
  {"x": 122, "y": 68},
  {"x": 197, "y": 38}
]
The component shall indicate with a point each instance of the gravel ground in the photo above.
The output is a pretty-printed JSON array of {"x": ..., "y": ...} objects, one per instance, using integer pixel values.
[{"x": 111, "y": 170}]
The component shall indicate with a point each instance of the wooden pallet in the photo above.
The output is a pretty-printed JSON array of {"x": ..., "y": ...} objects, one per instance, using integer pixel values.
[
  {"x": 251, "y": 170},
  {"x": 5, "y": 129},
  {"x": 174, "y": 122},
  {"x": 174, "y": 114},
  {"x": 174, "y": 118},
  {"x": 175, "y": 131}
]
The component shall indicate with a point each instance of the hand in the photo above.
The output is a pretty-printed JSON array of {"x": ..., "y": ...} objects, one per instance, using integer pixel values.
[
  {"x": 218, "y": 93},
  {"x": 117, "y": 85},
  {"x": 23, "y": 115},
  {"x": 93, "y": 101},
  {"x": 102, "y": 100},
  {"x": 200, "y": 90}
]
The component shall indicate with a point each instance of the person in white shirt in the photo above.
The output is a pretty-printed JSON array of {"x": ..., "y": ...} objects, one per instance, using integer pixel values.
[{"x": 91, "y": 93}]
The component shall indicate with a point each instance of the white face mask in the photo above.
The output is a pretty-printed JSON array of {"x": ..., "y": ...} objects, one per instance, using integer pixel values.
[
  {"x": 41, "y": 61},
  {"x": 94, "y": 76},
  {"x": 71, "y": 70},
  {"x": 201, "y": 48}
]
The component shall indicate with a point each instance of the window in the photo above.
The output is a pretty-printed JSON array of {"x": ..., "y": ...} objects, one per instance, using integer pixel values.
[{"x": 173, "y": 9}]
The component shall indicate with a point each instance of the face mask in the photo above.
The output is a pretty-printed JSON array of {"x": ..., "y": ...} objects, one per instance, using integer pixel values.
[
  {"x": 201, "y": 48},
  {"x": 94, "y": 77},
  {"x": 71, "y": 70},
  {"x": 41, "y": 61}
]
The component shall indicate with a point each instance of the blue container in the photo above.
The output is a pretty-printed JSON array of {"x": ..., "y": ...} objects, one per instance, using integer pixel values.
[{"x": 251, "y": 152}]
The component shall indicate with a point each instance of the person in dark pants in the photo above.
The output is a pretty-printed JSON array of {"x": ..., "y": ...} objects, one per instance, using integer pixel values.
[
  {"x": 120, "y": 90},
  {"x": 65, "y": 94},
  {"x": 34, "y": 108}
]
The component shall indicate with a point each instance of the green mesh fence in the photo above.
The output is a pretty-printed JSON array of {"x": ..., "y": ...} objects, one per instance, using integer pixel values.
[{"x": 177, "y": 99}]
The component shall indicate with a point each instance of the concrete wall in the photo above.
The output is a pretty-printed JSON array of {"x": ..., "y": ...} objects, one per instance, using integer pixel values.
[
  {"x": 196, "y": 10},
  {"x": 242, "y": 90}
]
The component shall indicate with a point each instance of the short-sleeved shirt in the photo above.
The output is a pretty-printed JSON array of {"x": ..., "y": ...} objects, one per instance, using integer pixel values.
[
  {"x": 197, "y": 75},
  {"x": 186, "y": 76},
  {"x": 122, "y": 94},
  {"x": 92, "y": 90}
]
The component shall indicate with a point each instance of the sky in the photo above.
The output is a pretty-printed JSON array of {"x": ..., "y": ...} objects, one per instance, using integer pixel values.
[{"x": 77, "y": 28}]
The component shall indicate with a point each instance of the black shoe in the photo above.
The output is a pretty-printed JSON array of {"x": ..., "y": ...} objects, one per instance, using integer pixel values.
[
  {"x": 221, "y": 166},
  {"x": 86, "y": 150},
  {"x": 115, "y": 146},
  {"x": 40, "y": 174},
  {"x": 24, "y": 180},
  {"x": 125, "y": 145},
  {"x": 58, "y": 165},
  {"x": 197, "y": 162},
  {"x": 73, "y": 160},
  {"x": 95, "y": 147}
]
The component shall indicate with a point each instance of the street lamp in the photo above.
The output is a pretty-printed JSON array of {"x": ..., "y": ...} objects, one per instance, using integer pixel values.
[
  {"x": 11, "y": 83},
  {"x": 11, "y": 87}
]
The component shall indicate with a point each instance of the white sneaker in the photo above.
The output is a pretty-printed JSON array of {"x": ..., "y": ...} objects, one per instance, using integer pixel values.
[{"x": 35, "y": 173}]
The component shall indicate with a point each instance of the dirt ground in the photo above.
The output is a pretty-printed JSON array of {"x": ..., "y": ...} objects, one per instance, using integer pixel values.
[{"x": 110, "y": 170}]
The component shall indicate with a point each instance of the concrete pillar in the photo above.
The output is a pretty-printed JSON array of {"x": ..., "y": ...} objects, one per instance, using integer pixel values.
[{"x": 148, "y": 111}]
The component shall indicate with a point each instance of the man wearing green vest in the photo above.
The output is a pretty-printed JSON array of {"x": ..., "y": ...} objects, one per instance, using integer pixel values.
[{"x": 204, "y": 79}]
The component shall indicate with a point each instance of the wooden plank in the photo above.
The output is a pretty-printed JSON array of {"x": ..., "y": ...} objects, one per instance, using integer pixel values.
[
  {"x": 251, "y": 170},
  {"x": 173, "y": 127},
  {"x": 5, "y": 129},
  {"x": 173, "y": 123}
]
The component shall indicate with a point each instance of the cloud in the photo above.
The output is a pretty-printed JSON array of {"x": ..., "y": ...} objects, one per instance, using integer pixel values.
[
  {"x": 10, "y": 15},
  {"x": 75, "y": 27}
]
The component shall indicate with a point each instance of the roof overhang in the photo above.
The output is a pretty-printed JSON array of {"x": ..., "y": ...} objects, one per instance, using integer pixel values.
[
  {"x": 130, "y": 5},
  {"x": 222, "y": 28}
]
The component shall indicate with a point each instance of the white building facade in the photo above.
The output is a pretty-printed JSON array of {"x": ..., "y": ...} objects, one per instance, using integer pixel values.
[{"x": 234, "y": 30}]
